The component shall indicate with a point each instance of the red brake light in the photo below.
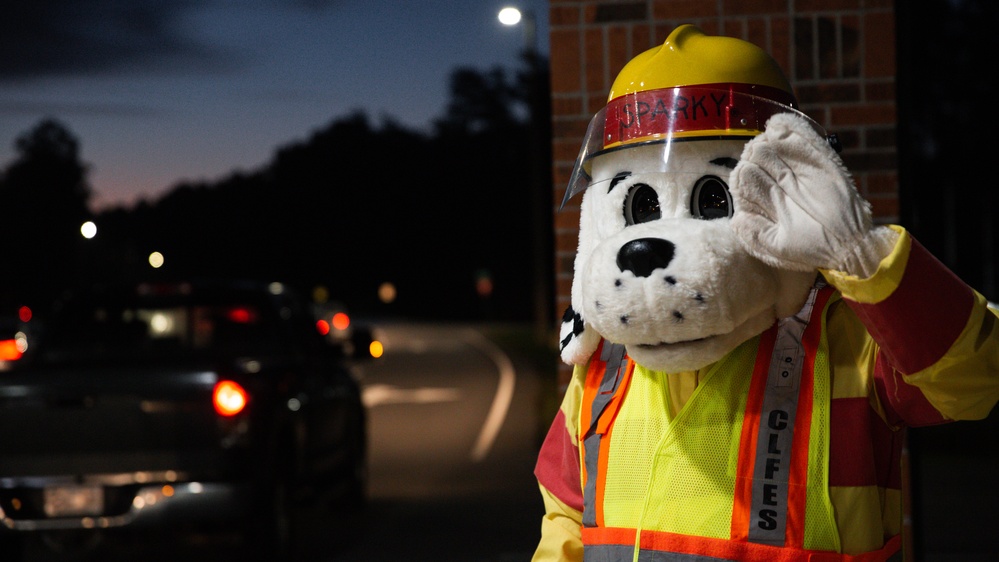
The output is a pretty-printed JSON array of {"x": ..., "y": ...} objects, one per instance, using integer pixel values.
[
  {"x": 229, "y": 398},
  {"x": 341, "y": 321},
  {"x": 242, "y": 315},
  {"x": 9, "y": 350}
]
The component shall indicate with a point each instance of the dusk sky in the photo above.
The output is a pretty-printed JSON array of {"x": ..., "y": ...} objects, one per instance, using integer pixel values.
[{"x": 162, "y": 91}]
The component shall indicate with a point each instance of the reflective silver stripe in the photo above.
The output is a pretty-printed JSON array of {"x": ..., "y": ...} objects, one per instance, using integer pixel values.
[
  {"x": 613, "y": 357},
  {"x": 768, "y": 515},
  {"x": 592, "y": 444},
  {"x": 625, "y": 553}
]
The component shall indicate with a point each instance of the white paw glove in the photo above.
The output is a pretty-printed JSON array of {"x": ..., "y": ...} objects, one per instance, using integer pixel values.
[{"x": 796, "y": 207}]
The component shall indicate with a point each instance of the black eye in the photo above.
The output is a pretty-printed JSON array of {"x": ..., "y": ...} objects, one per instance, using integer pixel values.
[
  {"x": 710, "y": 199},
  {"x": 641, "y": 204}
]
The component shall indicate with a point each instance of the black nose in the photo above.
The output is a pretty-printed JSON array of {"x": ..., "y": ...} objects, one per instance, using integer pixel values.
[{"x": 644, "y": 255}]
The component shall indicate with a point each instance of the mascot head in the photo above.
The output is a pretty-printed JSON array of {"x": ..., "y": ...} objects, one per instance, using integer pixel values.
[{"x": 658, "y": 267}]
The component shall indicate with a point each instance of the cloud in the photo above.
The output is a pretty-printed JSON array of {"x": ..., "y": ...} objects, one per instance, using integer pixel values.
[
  {"x": 32, "y": 108},
  {"x": 41, "y": 39}
]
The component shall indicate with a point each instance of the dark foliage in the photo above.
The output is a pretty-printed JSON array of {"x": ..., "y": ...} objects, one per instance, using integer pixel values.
[
  {"x": 349, "y": 208},
  {"x": 45, "y": 195}
]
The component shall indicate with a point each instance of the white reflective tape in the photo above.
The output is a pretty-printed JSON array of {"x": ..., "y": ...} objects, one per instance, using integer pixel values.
[{"x": 772, "y": 466}]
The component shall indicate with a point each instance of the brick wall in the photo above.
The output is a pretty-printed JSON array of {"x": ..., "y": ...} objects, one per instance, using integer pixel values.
[{"x": 838, "y": 54}]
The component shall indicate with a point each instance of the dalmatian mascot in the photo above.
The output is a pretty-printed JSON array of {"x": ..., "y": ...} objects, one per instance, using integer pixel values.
[{"x": 748, "y": 346}]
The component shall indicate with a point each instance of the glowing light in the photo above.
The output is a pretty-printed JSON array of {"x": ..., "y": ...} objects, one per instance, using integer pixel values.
[
  {"x": 341, "y": 321},
  {"x": 156, "y": 260},
  {"x": 161, "y": 323},
  {"x": 24, "y": 314},
  {"x": 9, "y": 350},
  {"x": 320, "y": 294},
  {"x": 386, "y": 292},
  {"x": 88, "y": 230},
  {"x": 376, "y": 349},
  {"x": 483, "y": 283},
  {"x": 323, "y": 327},
  {"x": 484, "y": 286},
  {"x": 509, "y": 16},
  {"x": 241, "y": 315},
  {"x": 229, "y": 398}
]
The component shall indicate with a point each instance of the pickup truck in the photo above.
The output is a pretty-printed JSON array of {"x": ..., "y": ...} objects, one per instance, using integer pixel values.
[{"x": 183, "y": 406}]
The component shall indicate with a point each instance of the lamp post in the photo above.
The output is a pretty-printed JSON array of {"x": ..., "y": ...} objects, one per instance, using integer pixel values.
[
  {"x": 511, "y": 16},
  {"x": 540, "y": 191}
]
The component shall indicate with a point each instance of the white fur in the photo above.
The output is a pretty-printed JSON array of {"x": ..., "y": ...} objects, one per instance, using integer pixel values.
[
  {"x": 798, "y": 206},
  {"x": 713, "y": 294}
]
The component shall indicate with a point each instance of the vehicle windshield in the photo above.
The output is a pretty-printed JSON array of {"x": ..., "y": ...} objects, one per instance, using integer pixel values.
[{"x": 159, "y": 330}]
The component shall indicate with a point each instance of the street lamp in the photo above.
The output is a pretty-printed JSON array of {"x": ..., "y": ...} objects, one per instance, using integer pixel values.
[
  {"x": 511, "y": 16},
  {"x": 540, "y": 189},
  {"x": 88, "y": 229}
]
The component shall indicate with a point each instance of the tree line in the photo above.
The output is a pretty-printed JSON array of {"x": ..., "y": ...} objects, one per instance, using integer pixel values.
[{"x": 353, "y": 206}]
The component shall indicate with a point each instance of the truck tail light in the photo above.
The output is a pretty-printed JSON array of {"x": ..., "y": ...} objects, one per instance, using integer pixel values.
[
  {"x": 229, "y": 398},
  {"x": 9, "y": 350}
]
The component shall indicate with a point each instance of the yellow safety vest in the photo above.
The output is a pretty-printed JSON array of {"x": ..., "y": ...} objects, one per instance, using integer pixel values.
[{"x": 739, "y": 473}]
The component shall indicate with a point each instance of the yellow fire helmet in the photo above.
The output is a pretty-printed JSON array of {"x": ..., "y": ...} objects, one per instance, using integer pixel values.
[{"x": 693, "y": 87}]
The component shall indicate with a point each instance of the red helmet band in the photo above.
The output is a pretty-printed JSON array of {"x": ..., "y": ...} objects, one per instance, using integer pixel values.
[{"x": 689, "y": 109}]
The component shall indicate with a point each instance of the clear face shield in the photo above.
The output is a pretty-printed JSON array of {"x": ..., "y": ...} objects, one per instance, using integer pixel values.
[{"x": 656, "y": 119}]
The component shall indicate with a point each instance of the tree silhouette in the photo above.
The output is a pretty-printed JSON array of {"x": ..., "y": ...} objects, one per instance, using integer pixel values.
[
  {"x": 353, "y": 205},
  {"x": 45, "y": 195},
  {"x": 479, "y": 102}
]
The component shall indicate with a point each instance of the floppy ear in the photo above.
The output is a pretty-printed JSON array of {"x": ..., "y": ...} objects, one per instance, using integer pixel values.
[{"x": 578, "y": 340}]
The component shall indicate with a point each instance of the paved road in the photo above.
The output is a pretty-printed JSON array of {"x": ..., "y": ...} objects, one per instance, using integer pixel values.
[{"x": 454, "y": 425}]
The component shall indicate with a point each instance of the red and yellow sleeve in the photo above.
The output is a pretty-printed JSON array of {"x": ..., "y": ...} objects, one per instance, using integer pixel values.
[
  {"x": 936, "y": 340},
  {"x": 560, "y": 532},
  {"x": 558, "y": 474}
]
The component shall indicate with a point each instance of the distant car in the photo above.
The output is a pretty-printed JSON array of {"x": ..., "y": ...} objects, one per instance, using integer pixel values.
[
  {"x": 213, "y": 405},
  {"x": 333, "y": 320},
  {"x": 13, "y": 341}
]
